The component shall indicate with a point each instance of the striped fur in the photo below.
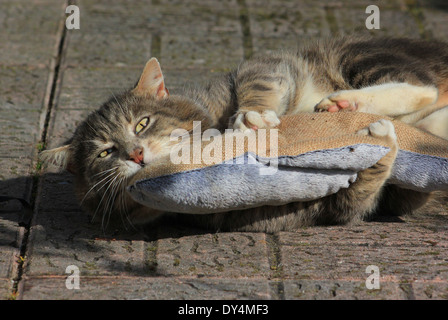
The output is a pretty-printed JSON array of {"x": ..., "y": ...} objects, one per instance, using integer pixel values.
[{"x": 406, "y": 79}]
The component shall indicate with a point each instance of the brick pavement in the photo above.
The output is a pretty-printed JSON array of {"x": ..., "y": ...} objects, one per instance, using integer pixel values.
[{"x": 52, "y": 77}]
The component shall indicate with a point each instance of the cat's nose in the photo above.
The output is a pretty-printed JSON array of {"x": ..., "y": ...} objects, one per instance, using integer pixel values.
[{"x": 137, "y": 155}]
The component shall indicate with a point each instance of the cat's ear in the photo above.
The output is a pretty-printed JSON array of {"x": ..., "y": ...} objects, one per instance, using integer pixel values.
[
  {"x": 151, "y": 81},
  {"x": 60, "y": 157}
]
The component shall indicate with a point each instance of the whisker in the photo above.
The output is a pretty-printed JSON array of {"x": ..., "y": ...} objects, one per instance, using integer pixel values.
[
  {"x": 109, "y": 175},
  {"x": 125, "y": 209},
  {"x": 120, "y": 191},
  {"x": 108, "y": 201},
  {"x": 122, "y": 202},
  {"x": 104, "y": 194},
  {"x": 113, "y": 197},
  {"x": 104, "y": 171}
]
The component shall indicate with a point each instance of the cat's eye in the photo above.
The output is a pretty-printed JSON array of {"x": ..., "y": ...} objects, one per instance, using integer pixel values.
[
  {"x": 141, "y": 125},
  {"x": 106, "y": 152}
]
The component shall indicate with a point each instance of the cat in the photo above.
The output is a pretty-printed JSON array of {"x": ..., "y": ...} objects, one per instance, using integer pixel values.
[{"x": 402, "y": 78}]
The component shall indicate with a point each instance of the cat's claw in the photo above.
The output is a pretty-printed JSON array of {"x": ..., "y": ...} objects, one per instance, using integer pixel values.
[
  {"x": 381, "y": 129},
  {"x": 252, "y": 120}
]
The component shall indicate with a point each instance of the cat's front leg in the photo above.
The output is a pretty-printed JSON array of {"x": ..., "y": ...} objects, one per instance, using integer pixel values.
[
  {"x": 263, "y": 93},
  {"x": 382, "y": 129},
  {"x": 361, "y": 199},
  {"x": 255, "y": 120},
  {"x": 390, "y": 99}
]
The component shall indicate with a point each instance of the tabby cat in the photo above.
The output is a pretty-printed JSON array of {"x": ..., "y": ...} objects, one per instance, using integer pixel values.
[{"x": 402, "y": 78}]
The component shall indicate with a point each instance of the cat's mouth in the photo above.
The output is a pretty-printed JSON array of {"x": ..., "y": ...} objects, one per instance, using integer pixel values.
[
  {"x": 142, "y": 164},
  {"x": 133, "y": 167}
]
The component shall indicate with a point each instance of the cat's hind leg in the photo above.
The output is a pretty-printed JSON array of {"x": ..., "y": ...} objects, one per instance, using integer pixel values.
[
  {"x": 389, "y": 99},
  {"x": 436, "y": 123}
]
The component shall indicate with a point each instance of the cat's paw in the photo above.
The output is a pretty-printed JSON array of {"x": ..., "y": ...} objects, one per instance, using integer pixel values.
[
  {"x": 339, "y": 101},
  {"x": 255, "y": 120},
  {"x": 381, "y": 129}
]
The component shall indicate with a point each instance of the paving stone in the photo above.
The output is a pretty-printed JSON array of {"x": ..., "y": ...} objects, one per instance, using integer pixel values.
[
  {"x": 13, "y": 175},
  {"x": 224, "y": 51},
  {"x": 284, "y": 25},
  {"x": 343, "y": 255},
  {"x": 197, "y": 18},
  {"x": 87, "y": 98},
  {"x": 435, "y": 4},
  {"x": 6, "y": 290},
  {"x": 10, "y": 238},
  {"x": 14, "y": 184},
  {"x": 426, "y": 290},
  {"x": 133, "y": 288},
  {"x": 63, "y": 238},
  {"x": 25, "y": 50},
  {"x": 22, "y": 87},
  {"x": 435, "y": 22},
  {"x": 9, "y": 244},
  {"x": 398, "y": 24},
  {"x": 87, "y": 48},
  {"x": 99, "y": 77},
  {"x": 57, "y": 193},
  {"x": 15, "y": 17},
  {"x": 89, "y": 88},
  {"x": 392, "y": 22},
  {"x": 213, "y": 29},
  {"x": 372, "y": 234},
  {"x": 16, "y": 187},
  {"x": 217, "y": 255},
  {"x": 24, "y": 70},
  {"x": 86, "y": 89},
  {"x": 123, "y": 17},
  {"x": 19, "y": 133},
  {"x": 114, "y": 17},
  {"x": 63, "y": 125},
  {"x": 340, "y": 290}
]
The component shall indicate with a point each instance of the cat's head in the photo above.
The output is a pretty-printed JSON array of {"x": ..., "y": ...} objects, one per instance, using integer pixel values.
[{"x": 126, "y": 133}]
